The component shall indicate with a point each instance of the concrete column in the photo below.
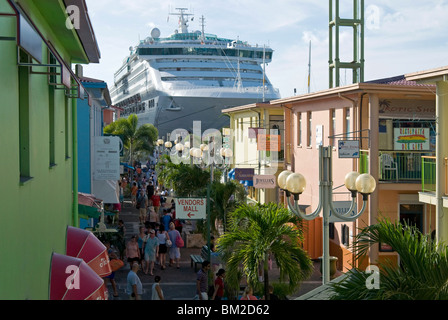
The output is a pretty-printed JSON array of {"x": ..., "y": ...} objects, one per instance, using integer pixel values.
[
  {"x": 441, "y": 153},
  {"x": 374, "y": 165}
]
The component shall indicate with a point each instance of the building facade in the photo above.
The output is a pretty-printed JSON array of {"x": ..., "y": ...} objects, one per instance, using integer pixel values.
[
  {"x": 393, "y": 121},
  {"x": 258, "y": 140},
  {"x": 38, "y": 119}
]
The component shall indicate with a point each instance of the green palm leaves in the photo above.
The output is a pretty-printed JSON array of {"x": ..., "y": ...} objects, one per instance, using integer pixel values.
[
  {"x": 422, "y": 273},
  {"x": 254, "y": 233},
  {"x": 136, "y": 140}
]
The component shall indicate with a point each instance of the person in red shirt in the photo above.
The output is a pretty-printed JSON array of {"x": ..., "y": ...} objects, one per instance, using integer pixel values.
[
  {"x": 219, "y": 285},
  {"x": 155, "y": 198}
]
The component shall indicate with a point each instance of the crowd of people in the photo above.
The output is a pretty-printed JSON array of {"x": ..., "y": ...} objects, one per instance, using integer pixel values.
[{"x": 156, "y": 244}]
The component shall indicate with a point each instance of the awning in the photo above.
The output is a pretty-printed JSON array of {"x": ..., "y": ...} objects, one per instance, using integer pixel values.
[
  {"x": 72, "y": 279},
  {"x": 85, "y": 245},
  {"x": 87, "y": 212},
  {"x": 89, "y": 200},
  {"x": 247, "y": 183},
  {"x": 106, "y": 190},
  {"x": 127, "y": 166},
  {"x": 89, "y": 206}
]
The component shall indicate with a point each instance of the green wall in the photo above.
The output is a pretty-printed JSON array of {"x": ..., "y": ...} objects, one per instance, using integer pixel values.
[{"x": 34, "y": 215}]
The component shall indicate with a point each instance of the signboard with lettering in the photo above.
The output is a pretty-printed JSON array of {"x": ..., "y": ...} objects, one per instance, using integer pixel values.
[
  {"x": 107, "y": 158},
  {"x": 409, "y": 139},
  {"x": 342, "y": 207},
  {"x": 191, "y": 208},
  {"x": 244, "y": 173},
  {"x": 265, "y": 182},
  {"x": 348, "y": 149}
]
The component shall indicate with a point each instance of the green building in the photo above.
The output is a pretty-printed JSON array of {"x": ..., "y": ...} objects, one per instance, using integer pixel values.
[{"x": 38, "y": 93}]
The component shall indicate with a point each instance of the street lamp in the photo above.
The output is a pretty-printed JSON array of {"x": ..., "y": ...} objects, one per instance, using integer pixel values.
[
  {"x": 294, "y": 184},
  {"x": 204, "y": 156}
]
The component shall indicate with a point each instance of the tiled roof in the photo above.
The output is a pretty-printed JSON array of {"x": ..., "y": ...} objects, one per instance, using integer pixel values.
[{"x": 399, "y": 81}]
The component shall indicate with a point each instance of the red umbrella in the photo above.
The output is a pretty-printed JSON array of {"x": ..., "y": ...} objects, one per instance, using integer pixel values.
[
  {"x": 72, "y": 279},
  {"x": 85, "y": 245}
]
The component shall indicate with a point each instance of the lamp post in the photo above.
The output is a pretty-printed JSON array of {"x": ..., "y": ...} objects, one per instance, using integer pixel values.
[
  {"x": 294, "y": 184},
  {"x": 204, "y": 156}
]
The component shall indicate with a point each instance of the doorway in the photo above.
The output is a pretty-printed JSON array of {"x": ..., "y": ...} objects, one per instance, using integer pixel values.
[{"x": 412, "y": 214}]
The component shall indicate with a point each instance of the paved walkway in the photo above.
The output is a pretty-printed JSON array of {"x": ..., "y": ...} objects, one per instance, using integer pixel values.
[{"x": 179, "y": 284}]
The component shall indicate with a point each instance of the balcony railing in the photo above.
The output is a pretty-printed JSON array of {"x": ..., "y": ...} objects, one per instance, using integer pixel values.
[
  {"x": 428, "y": 174},
  {"x": 429, "y": 177},
  {"x": 401, "y": 166}
]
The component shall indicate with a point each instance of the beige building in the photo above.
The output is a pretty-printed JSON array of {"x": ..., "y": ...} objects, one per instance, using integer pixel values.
[{"x": 394, "y": 121}]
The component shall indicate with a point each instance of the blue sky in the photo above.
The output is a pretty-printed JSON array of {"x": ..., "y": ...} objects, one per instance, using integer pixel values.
[{"x": 402, "y": 36}]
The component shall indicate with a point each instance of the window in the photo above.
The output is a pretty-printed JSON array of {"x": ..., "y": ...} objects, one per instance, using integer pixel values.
[
  {"x": 51, "y": 112},
  {"x": 24, "y": 120},
  {"x": 299, "y": 129},
  {"x": 332, "y": 126},
  {"x": 347, "y": 123},
  {"x": 67, "y": 127},
  {"x": 310, "y": 129}
]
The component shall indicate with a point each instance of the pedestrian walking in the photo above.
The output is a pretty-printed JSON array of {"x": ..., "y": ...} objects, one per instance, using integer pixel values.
[
  {"x": 153, "y": 217},
  {"x": 142, "y": 237},
  {"x": 166, "y": 219},
  {"x": 151, "y": 252},
  {"x": 219, "y": 285},
  {"x": 121, "y": 244},
  {"x": 111, "y": 278},
  {"x": 157, "y": 293},
  {"x": 142, "y": 205},
  {"x": 174, "y": 251},
  {"x": 162, "y": 235},
  {"x": 155, "y": 198},
  {"x": 202, "y": 282},
  {"x": 132, "y": 251},
  {"x": 134, "y": 191},
  {"x": 134, "y": 287}
]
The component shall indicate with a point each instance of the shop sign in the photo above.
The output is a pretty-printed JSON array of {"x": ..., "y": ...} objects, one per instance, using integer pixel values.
[
  {"x": 348, "y": 149},
  {"x": 411, "y": 139},
  {"x": 191, "y": 208},
  {"x": 264, "y": 182},
  {"x": 244, "y": 173}
]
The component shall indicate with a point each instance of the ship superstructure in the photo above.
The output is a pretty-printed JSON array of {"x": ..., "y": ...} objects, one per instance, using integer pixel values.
[{"x": 190, "y": 76}]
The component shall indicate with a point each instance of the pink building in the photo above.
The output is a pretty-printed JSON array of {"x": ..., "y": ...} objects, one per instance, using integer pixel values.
[{"x": 387, "y": 117}]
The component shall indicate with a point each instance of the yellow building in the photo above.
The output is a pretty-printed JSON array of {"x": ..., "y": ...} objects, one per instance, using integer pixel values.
[{"x": 258, "y": 144}]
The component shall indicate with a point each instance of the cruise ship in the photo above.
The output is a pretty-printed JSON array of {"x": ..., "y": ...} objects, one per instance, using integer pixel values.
[{"x": 190, "y": 76}]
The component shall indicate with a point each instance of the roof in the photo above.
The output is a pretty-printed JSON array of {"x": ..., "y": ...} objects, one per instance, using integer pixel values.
[
  {"x": 397, "y": 81},
  {"x": 249, "y": 107}
]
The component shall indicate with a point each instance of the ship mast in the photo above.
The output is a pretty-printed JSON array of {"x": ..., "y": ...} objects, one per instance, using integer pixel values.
[{"x": 183, "y": 19}]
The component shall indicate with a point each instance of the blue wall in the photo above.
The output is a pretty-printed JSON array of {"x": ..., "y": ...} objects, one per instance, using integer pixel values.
[{"x": 84, "y": 169}]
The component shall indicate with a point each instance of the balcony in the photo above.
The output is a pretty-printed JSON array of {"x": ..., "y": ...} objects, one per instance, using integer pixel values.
[{"x": 401, "y": 167}]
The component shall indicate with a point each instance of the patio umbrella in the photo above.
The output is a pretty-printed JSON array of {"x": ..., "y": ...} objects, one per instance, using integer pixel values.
[
  {"x": 72, "y": 279},
  {"x": 85, "y": 245}
]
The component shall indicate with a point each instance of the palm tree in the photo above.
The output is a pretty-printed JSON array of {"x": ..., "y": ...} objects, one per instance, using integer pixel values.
[
  {"x": 135, "y": 139},
  {"x": 225, "y": 197},
  {"x": 421, "y": 275},
  {"x": 257, "y": 232}
]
